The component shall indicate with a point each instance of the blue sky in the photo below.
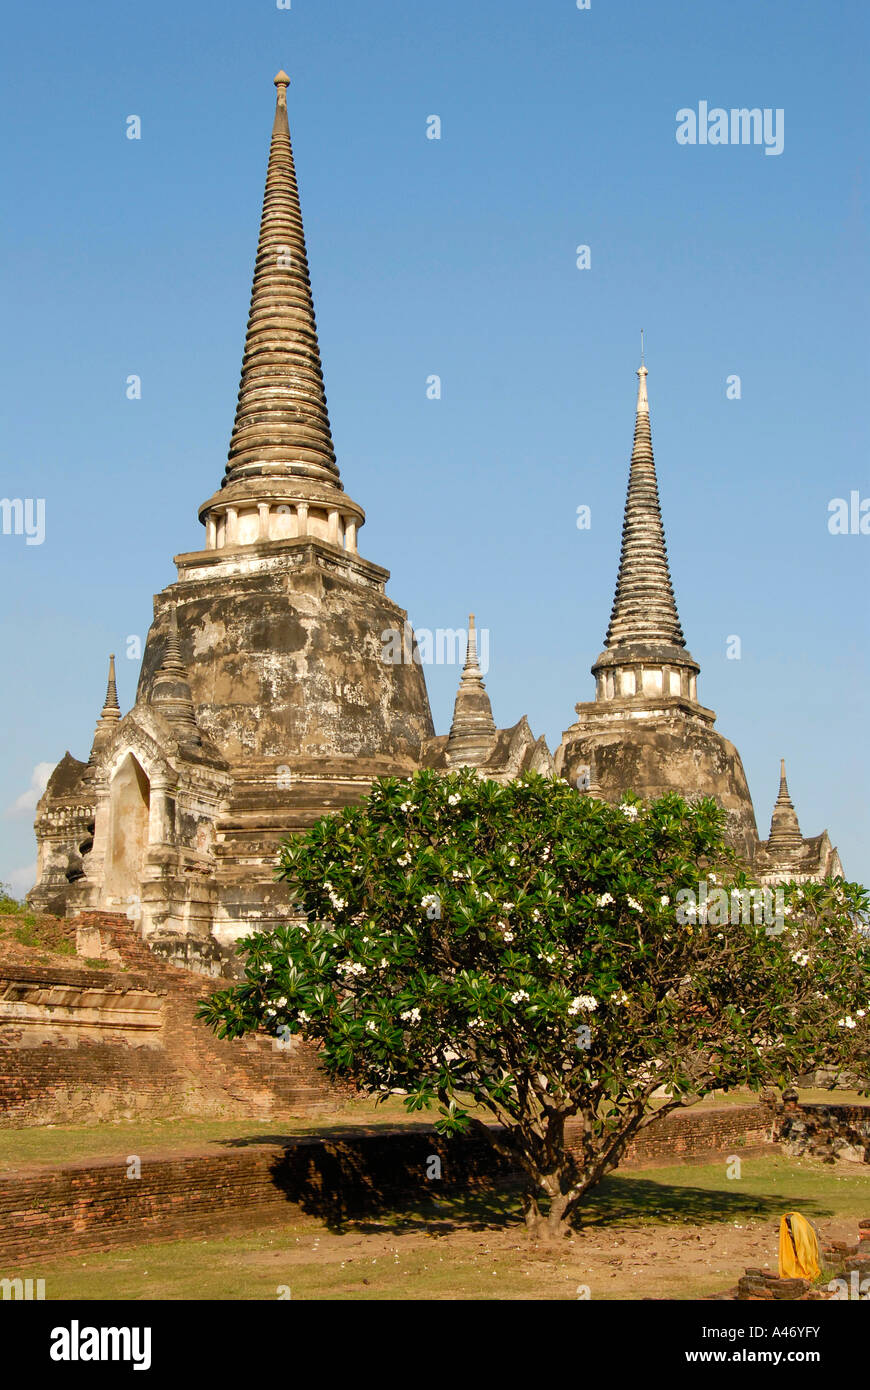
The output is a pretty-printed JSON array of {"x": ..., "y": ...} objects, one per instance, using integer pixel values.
[{"x": 453, "y": 257}]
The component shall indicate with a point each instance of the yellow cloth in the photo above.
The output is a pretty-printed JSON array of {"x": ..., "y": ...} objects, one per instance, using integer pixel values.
[{"x": 798, "y": 1248}]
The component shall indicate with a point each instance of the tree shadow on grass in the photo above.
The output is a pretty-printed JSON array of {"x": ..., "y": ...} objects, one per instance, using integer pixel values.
[
  {"x": 627, "y": 1201},
  {"x": 385, "y": 1180}
]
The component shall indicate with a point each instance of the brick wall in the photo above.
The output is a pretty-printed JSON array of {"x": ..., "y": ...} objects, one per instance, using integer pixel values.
[{"x": 696, "y": 1136}]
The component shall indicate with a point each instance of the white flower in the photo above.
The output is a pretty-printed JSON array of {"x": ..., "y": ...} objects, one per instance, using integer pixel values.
[
  {"x": 720, "y": 936},
  {"x": 630, "y": 812},
  {"x": 270, "y": 1013},
  {"x": 266, "y": 968},
  {"x": 351, "y": 967},
  {"x": 847, "y": 1022},
  {"x": 536, "y": 916},
  {"x": 546, "y": 854},
  {"x": 410, "y": 1016},
  {"x": 633, "y": 902},
  {"x": 475, "y": 1022},
  {"x": 519, "y": 996},
  {"x": 507, "y": 906},
  {"x": 404, "y": 860},
  {"x": 550, "y": 959},
  {"x": 282, "y": 1002},
  {"x": 620, "y": 998},
  {"x": 371, "y": 1026},
  {"x": 713, "y": 878},
  {"x": 604, "y": 900},
  {"x": 453, "y": 799},
  {"x": 860, "y": 1012},
  {"x": 665, "y": 900},
  {"x": 587, "y": 1003},
  {"x": 303, "y": 1017},
  {"x": 512, "y": 861},
  {"x": 337, "y": 902},
  {"x": 407, "y": 806},
  {"x": 457, "y": 874},
  {"x": 799, "y": 957}
]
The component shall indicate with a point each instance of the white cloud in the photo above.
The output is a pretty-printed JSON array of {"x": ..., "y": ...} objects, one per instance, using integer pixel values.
[
  {"x": 20, "y": 881},
  {"x": 38, "y": 783}
]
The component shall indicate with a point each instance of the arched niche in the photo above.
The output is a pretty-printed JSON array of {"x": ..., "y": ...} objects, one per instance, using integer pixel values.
[{"x": 129, "y": 812}]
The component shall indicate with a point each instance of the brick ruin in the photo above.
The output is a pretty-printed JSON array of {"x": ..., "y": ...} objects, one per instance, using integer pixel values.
[{"x": 81, "y": 1044}]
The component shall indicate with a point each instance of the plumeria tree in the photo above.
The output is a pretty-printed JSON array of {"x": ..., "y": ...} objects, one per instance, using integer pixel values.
[{"x": 545, "y": 968}]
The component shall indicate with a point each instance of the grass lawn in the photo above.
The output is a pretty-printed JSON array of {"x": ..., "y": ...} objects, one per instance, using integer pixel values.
[
  {"x": 674, "y": 1232},
  {"x": 59, "y": 1144}
]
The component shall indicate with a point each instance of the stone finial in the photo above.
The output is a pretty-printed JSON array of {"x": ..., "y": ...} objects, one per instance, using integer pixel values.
[
  {"x": 785, "y": 832},
  {"x": 472, "y": 733},
  {"x": 109, "y": 715},
  {"x": 642, "y": 397},
  {"x": 170, "y": 691}
]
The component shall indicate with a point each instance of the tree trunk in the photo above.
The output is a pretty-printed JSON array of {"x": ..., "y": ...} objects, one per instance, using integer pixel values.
[{"x": 532, "y": 1213}]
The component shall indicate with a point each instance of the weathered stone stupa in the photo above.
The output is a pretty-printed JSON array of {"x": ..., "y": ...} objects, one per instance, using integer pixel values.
[
  {"x": 646, "y": 731},
  {"x": 265, "y": 699}
]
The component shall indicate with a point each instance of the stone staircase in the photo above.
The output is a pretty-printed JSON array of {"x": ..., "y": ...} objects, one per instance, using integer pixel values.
[{"x": 250, "y": 1071}]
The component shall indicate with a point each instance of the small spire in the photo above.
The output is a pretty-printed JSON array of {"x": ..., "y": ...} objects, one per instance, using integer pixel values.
[
  {"x": 282, "y": 82},
  {"x": 172, "y": 659},
  {"x": 170, "y": 692},
  {"x": 471, "y": 648},
  {"x": 472, "y": 733},
  {"x": 111, "y": 708},
  {"x": 109, "y": 715},
  {"x": 785, "y": 831}
]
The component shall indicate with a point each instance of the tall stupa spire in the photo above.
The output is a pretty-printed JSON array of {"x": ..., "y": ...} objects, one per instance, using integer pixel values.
[
  {"x": 644, "y": 650},
  {"x": 281, "y": 424},
  {"x": 644, "y": 608},
  {"x": 785, "y": 831},
  {"x": 281, "y": 480}
]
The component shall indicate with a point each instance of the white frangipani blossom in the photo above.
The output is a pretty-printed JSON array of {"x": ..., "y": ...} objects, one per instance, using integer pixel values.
[{"x": 583, "y": 1003}]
